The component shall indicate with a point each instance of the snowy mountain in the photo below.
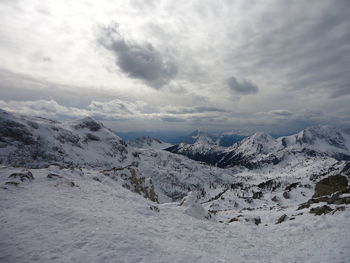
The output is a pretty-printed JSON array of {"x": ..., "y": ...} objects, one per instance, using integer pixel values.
[
  {"x": 90, "y": 190},
  {"x": 146, "y": 142},
  {"x": 192, "y": 137},
  {"x": 221, "y": 139},
  {"x": 35, "y": 141},
  {"x": 260, "y": 148},
  {"x": 229, "y": 138}
]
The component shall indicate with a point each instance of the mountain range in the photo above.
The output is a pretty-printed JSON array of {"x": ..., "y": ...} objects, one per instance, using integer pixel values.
[
  {"x": 75, "y": 191},
  {"x": 261, "y": 148}
]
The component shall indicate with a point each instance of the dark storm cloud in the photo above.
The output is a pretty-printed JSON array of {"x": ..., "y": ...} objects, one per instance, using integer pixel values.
[
  {"x": 243, "y": 87},
  {"x": 138, "y": 60},
  {"x": 307, "y": 43}
]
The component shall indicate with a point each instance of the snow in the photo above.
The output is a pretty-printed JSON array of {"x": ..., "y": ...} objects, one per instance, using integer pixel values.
[
  {"x": 193, "y": 207},
  {"x": 261, "y": 149},
  {"x": 91, "y": 206},
  {"x": 49, "y": 221},
  {"x": 35, "y": 141},
  {"x": 147, "y": 142}
]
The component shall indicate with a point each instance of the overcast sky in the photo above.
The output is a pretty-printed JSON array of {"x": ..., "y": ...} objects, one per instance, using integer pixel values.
[{"x": 244, "y": 65}]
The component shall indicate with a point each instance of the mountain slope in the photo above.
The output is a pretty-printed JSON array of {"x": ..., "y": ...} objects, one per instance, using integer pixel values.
[
  {"x": 222, "y": 139},
  {"x": 35, "y": 141},
  {"x": 146, "y": 142},
  {"x": 49, "y": 219}
]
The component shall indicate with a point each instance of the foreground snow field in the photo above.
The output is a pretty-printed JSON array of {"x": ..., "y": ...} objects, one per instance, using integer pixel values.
[{"x": 75, "y": 218}]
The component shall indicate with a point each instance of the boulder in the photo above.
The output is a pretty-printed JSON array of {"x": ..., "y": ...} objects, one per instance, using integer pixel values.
[
  {"x": 286, "y": 195},
  {"x": 281, "y": 219},
  {"x": 330, "y": 185},
  {"x": 320, "y": 210}
]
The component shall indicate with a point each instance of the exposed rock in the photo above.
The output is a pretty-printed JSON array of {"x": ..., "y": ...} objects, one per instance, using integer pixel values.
[
  {"x": 270, "y": 185},
  {"x": 89, "y": 123},
  {"x": 23, "y": 176},
  {"x": 281, "y": 219},
  {"x": 258, "y": 195},
  {"x": 257, "y": 220},
  {"x": 275, "y": 199},
  {"x": 91, "y": 137},
  {"x": 291, "y": 186},
  {"x": 54, "y": 176},
  {"x": 330, "y": 185},
  {"x": 346, "y": 169},
  {"x": 131, "y": 179},
  {"x": 96, "y": 179},
  {"x": 336, "y": 199},
  {"x": 339, "y": 208},
  {"x": 286, "y": 195},
  {"x": 234, "y": 219},
  {"x": 15, "y": 131},
  {"x": 249, "y": 200},
  {"x": 12, "y": 183},
  {"x": 219, "y": 195},
  {"x": 154, "y": 208},
  {"x": 320, "y": 210}
]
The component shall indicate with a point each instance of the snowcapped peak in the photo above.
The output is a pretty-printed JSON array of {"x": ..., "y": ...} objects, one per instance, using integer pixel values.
[
  {"x": 87, "y": 122},
  {"x": 261, "y": 137},
  {"x": 198, "y": 133},
  {"x": 84, "y": 142},
  {"x": 259, "y": 142},
  {"x": 147, "y": 142},
  {"x": 204, "y": 140},
  {"x": 324, "y": 135}
]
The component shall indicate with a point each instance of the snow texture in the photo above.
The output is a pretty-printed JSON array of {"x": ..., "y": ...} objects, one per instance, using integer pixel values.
[{"x": 75, "y": 192}]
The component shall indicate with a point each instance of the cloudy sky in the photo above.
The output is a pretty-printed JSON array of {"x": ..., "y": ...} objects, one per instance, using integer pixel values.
[{"x": 243, "y": 65}]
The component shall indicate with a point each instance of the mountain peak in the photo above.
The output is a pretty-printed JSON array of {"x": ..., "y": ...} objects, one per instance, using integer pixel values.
[
  {"x": 261, "y": 137},
  {"x": 204, "y": 140},
  {"x": 147, "y": 142},
  {"x": 87, "y": 122},
  {"x": 197, "y": 133}
]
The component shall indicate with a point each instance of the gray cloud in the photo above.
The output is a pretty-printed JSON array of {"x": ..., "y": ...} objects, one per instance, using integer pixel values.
[
  {"x": 172, "y": 119},
  {"x": 190, "y": 110},
  {"x": 290, "y": 54},
  {"x": 243, "y": 87},
  {"x": 283, "y": 113},
  {"x": 305, "y": 44},
  {"x": 138, "y": 60}
]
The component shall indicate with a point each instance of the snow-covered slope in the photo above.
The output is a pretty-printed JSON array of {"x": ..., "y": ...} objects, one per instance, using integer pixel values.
[
  {"x": 328, "y": 140},
  {"x": 147, "y": 142},
  {"x": 35, "y": 141},
  {"x": 73, "y": 217},
  {"x": 203, "y": 150}
]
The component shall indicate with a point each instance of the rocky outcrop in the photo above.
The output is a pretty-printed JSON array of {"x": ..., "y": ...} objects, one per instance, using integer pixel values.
[{"x": 330, "y": 185}]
